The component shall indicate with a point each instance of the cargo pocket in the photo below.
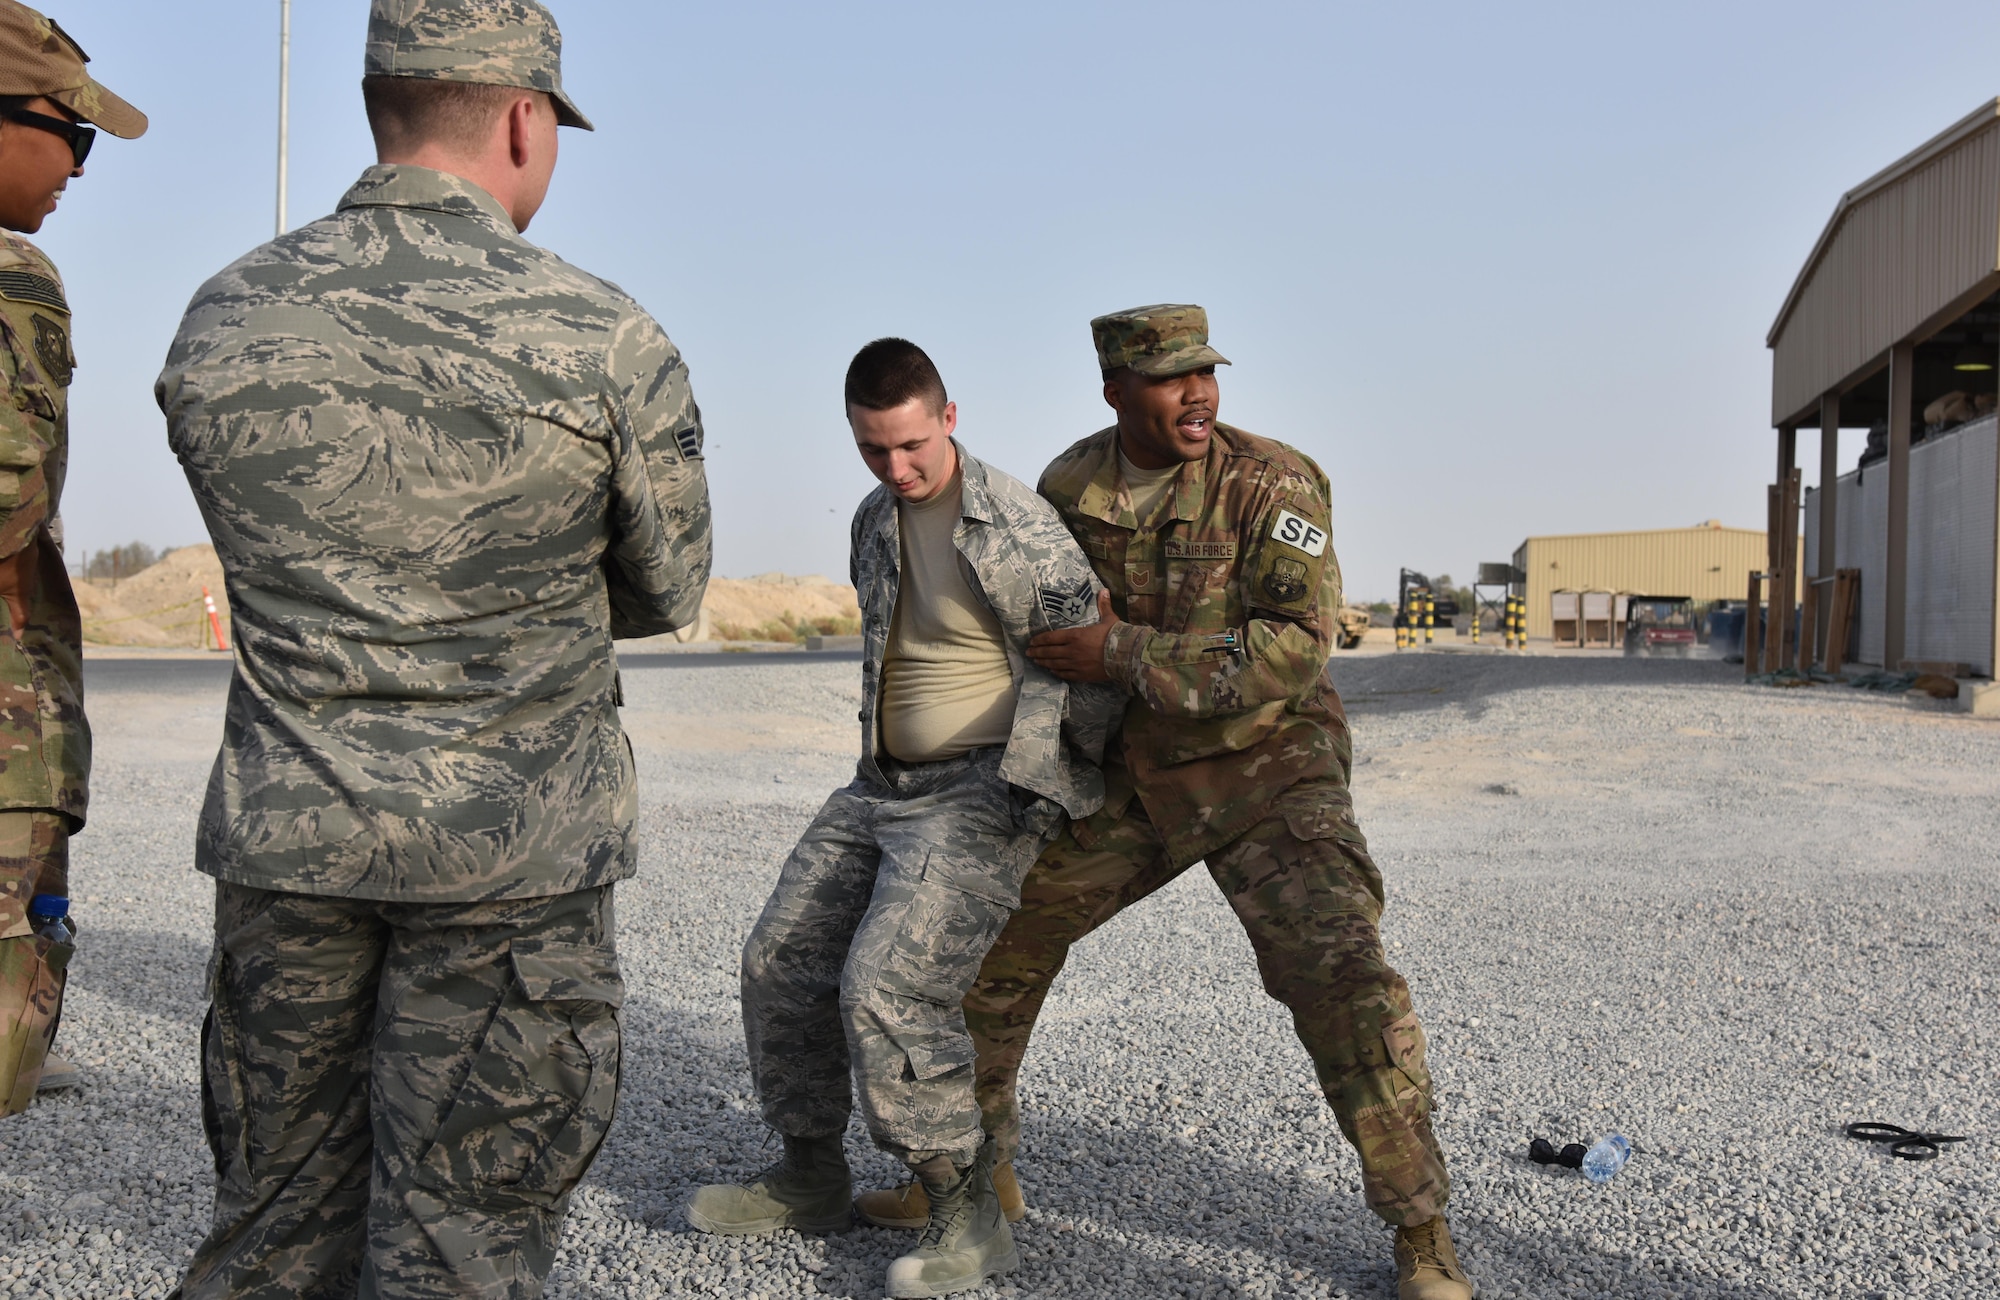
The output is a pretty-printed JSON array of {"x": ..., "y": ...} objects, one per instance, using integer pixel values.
[
  {"x": 953, "y": 917},
  {"x": 538, "y": 1099},
  {"x": 1403, "y": 1038},
  {"x": 1339, "y": 874},
  {"x": 955, "y": 914},
  {"x": 224, "y": 1101},
  {"x": 921, "y": 1016}
]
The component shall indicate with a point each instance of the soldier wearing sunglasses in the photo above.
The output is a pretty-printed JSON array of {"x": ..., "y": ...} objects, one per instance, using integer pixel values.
[{"x": 46, "y": 97}]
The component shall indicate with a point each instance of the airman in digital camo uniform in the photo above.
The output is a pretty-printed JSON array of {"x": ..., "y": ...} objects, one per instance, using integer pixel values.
[
  {"x": 46, "y": 98},
  {"x": 1213, "y": 544},
  {"x": 971, "y": 756},
  {"x": 443, "y": 469}
]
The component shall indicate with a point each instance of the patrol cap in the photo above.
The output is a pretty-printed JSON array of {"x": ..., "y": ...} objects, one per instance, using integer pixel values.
[
  {"x": 39, "y": 58},
  {"x": 484, "y": 42},
  {"x": 1164, "y": 339}
]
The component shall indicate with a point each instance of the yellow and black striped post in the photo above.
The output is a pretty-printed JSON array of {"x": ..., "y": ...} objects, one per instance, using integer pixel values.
[
  {"x": 1520, "y": 622},
  {"x": 1513, "y": 620},
  {"x": 1430, "y": 614},
  {"x": 1402, "y": 630},
  {"x": 1475, "y": 617}
]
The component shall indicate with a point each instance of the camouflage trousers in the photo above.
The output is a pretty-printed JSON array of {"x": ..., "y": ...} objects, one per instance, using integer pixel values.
[
  {"x": 400, "y": 1097},
  {"x": 853, "y": 975},
  {"x": 1310, "y": 899},
  {"x": 34, "y": 859}
]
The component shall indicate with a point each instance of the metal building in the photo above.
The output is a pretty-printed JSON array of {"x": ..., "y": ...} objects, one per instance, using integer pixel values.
[
  {"x": 1896, "y": 310},
  {"x": 1708, "y": 562}
]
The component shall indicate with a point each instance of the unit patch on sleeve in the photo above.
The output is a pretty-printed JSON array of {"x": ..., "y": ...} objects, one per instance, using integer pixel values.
[
  {"x": 1296, "y": 532},
  {"x": 52, "y": 349},
  {"x": 1285, "y": 580}
]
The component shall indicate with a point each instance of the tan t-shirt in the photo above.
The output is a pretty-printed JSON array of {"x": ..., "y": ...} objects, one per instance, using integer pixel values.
[
  {"x": 946, "y": 684},
  {"x": 1147, "y": 486}
]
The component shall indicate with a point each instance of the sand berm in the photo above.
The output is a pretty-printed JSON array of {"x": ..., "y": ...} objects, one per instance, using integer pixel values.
[{"x": 161, "y": 606}]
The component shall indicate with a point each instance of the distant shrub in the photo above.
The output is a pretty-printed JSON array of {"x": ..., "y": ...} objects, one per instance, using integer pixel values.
[
  {"x": 121, "y": 561},
  {"x": 787, "y": 628}
]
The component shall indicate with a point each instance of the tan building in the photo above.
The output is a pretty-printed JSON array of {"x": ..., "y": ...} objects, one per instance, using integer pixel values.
[{"x": 1706, "y": 563}]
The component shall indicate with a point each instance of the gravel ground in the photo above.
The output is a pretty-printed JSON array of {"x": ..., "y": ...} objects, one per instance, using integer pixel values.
[{"x": 1632, "y": 896}]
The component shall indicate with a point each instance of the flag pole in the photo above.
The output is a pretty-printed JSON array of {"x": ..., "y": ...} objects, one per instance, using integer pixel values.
[{"x": 284, "y": 102}]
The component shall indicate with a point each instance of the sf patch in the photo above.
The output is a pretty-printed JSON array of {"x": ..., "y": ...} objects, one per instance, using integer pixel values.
[
  {"x": 52, "y": 350},
  {"x": 1296, "y": 532}
]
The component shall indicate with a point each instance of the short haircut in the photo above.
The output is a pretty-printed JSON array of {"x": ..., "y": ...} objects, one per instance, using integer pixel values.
[
  {"x": 14, "y": 103},
  {"x": 889, "y": 372},
  {"x": 457, "y": 116}
]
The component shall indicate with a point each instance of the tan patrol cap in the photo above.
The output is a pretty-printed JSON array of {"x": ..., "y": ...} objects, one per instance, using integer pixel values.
[
  {"x": 1164, "y": 339},
  {"x": 39, "y": 58},
  {"x": 484, "y": 42}
]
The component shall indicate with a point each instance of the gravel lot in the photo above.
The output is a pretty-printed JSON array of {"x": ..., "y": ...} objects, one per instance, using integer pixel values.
[{"x": 1633, "y": 896}]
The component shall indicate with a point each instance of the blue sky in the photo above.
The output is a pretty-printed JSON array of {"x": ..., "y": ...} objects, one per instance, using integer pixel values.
[{"x": 1500, "y": 269}]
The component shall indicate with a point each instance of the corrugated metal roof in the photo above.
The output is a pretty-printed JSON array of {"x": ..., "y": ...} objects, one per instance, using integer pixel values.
[{"x": 1902, "y": 252}]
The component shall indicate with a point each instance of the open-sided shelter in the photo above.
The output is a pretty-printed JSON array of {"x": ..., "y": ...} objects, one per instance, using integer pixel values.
[{"x": 1893, "y": 325}]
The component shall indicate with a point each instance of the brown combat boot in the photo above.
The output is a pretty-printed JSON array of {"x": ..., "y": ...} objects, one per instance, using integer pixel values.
[
  {"x": 1426, "y": 1265},
  {"x": 908, "y": 1207}
]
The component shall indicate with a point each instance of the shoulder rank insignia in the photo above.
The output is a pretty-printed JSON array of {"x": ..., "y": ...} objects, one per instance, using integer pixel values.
[
  {"x": 1067, "y": 608},
  {"x": 52, "y": 349}
]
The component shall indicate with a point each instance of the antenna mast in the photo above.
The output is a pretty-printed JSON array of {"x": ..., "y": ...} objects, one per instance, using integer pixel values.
[{"x": 284, "y": 102}]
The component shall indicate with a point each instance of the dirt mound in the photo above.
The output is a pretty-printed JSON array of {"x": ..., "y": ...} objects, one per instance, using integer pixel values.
[
  {"x": 769, "y": 605},
  {"x": 158, "y": 606},
  {"x": 161, "y": 606}
]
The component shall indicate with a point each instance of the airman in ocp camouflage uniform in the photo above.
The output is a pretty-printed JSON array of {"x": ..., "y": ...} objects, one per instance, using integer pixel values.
[
  {"x": 1235, "y": 751},
  {"x": 45, "y": 94},
  {"x": 971, "y": 755},
  {"x": 442, "y": 469}
]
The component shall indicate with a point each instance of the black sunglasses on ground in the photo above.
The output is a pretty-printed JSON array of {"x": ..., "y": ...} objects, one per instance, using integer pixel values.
[{"x": 80, "y": 137}]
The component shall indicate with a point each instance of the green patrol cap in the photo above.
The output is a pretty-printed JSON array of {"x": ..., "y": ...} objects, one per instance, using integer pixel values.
[
  {"x": 1164, "y": 339},
  {"x": 485, "y": 42}
]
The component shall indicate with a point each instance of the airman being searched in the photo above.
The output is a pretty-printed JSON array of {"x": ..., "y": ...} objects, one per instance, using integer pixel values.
[
  {"x": 442, "y": 469},
  {"x": 971, "y": 756},
  {"x": 1223, "y": 594}
]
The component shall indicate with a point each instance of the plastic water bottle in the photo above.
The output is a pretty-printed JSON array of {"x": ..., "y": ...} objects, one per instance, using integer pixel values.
[{"x": 1606, "y": 1157}]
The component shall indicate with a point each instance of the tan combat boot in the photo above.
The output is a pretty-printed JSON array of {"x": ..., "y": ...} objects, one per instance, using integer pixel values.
[
  {"x": 1426, "y": 1265},
  {"x": 908, "y": 1207},
  {"x": 57, "y": 1074},
  {"x": 807, "y": 1190},
  {"x": 966, "y": 1240}
]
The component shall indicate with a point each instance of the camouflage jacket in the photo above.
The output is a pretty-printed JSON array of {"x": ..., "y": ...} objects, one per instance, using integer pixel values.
[
  {"x": 442, "y": 469},
  {"x": 1034, "y": 579},
  {"x": 1231, "y": 603},
  {"x": 44, "y": 739}
]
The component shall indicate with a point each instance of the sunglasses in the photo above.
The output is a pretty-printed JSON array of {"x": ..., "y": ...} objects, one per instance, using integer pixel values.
[
  {"x": 1570, "y": 1157},
  {"x": 80, "y": 137}
]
